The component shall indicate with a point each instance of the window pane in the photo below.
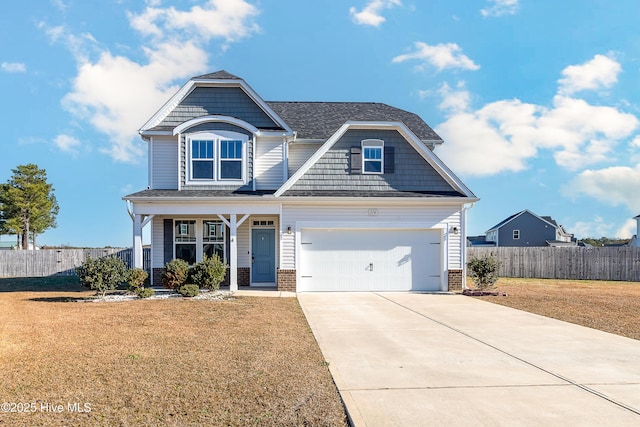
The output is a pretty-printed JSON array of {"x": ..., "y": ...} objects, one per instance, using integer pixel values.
[
  {"x": 195, "y": 149},
  {"x": 202, "y": 149},
  {"x": 214, "y": 248},
  {"x": 202, "y": 169},
  {"x": 373, "y": 153},
  {"x": 186, "y": 252},
  {"x": 185, "y": 231},
  {"x": 230, "y": 169},
  {"x": 213, "y": 231},
  {"x": 231, "y": 149},
  {"x": 374, "y": 166}
]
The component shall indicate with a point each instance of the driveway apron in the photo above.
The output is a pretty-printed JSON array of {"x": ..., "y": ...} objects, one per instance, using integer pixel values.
[{"x": 411, "y": 359}]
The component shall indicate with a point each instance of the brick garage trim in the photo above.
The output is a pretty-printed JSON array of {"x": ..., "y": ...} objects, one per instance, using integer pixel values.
[
  {"x": 287, "y": 280},
  {"x": 455, "y": 280}
]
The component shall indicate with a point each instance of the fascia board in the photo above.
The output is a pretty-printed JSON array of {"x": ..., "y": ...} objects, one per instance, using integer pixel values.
[
  {"x": 381, "y": 201},
  {"x": 312, "y": 160}
]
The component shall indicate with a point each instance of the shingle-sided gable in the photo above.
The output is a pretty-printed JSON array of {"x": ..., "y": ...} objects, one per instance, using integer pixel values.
[
  {"x": 331, "y": 173},
  {"x": 223, "y": 101}
]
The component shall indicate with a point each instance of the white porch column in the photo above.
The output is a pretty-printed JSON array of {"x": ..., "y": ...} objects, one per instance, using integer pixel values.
[
  {"x": 137, "y": 241},
  {"x": 233, "y": 243}
]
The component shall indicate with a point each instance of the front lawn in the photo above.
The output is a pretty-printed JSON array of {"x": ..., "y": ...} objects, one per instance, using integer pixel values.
[
  {"x": 245, "y": 361},
  {"x": 608, "y": 306}
]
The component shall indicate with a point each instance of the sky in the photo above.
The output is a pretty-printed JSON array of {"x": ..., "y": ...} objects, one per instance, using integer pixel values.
[{"x": 538, "y": 101}]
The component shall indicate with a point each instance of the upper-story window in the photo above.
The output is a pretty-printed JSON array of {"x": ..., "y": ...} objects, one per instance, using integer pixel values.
[
  {"x": 217, "y": 157},
  {"x": 373, "y": 156},
  {"x": 516, "y": 234}
]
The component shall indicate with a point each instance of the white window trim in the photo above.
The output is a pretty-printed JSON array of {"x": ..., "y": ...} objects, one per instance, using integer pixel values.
[
  {"x": 216, "y": 137},
  {"x": 516, "y": 234},
  {"x": 373, "y": 143}
]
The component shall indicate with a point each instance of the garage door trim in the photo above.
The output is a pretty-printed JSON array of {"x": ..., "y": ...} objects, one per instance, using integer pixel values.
[{"x": 308, "y": 225}]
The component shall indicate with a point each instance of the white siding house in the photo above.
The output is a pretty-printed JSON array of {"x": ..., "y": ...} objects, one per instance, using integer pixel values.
[{"x": 302, "y": 196}]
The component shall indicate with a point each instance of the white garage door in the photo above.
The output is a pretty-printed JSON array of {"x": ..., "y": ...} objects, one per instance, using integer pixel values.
[{"x": 370, "y": 260}]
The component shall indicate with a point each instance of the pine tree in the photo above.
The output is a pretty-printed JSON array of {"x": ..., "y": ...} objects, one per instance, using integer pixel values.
[{"x": 27, "y": 203}]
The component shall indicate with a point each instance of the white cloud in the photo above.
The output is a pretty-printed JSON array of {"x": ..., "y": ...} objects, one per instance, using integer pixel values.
[
  {"x": 441, "y": 56},
  {"x": 617, "y": 185},
  {"x": 600, "y": 72},
  {"x": 627, "y": 230},
  {"x": 594, "y": 228},
  {"x": 502, "y": 135},
  {"x": 116, "y": 94},
  {"x": 500, "y": 7},
  {"x": 67, "y": 143},
  {"x": 230, "y": 20},
  {"x": 13, "y": 67},
  {"x": 371, "y": 14},
  {"x": 60, "y": 5}
]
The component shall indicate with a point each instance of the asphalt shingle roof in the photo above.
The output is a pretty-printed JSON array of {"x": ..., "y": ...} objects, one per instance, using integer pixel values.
[{"x": 320, "y": 120}]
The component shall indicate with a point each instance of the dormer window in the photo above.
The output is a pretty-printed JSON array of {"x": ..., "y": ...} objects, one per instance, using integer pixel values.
[
  {"x": 217, "y": 157},
  {"x": 372, "y": 156}
]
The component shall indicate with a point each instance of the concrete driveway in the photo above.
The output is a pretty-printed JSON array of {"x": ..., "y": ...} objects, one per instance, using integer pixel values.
[{"x": 407, "y": 359}]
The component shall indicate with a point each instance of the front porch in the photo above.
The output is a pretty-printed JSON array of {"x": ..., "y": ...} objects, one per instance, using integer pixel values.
[{"x": 247, "y": 239}]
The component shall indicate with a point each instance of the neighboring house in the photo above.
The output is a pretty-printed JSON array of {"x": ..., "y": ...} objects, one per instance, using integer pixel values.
[
  {"x": 528, "y": 229},
  {"x": 305, "y": 196},
  {"x": 635, "y": 240},
  {"x": 479, "y": 241}
]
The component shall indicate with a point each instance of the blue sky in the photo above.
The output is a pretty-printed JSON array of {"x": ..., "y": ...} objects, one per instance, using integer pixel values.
[{"x": 538, "y": 101}]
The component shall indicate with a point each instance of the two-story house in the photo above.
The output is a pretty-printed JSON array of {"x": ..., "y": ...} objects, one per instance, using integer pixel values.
[
  {"x": 305, "y": 196},
  {"x": 528, "y": 229}
]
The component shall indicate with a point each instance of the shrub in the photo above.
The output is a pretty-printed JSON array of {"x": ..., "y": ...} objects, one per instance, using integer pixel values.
[
  {"x": 175, "y": 274},
  {"x": 208, "y": 273},
  {"x": 137, "y": 278},
  {"x": 483, "y": 271},
  {"x": 102, "y": 274},
  {"x": 145, "y": 292},
  {"x": 189, "y": 290}
]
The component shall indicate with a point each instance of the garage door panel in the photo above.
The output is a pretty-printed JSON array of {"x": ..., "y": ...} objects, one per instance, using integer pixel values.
[{"x": 370, "y": 260}]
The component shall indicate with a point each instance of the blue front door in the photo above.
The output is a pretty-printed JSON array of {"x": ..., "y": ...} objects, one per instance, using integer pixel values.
[{"x": 263, "y": 261}]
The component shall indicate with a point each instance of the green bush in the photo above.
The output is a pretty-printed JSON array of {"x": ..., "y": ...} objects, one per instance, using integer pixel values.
[
  {"x": 208, "y": 273},
  {"x": 102, "y": 274},
  {"x": 189, "y": 290},
  {"x": 175, "y": 274},
  {"x": 483, "y": 271},
  {"x": 137, "y": 278},
  {"x": 145, "y": 292}
]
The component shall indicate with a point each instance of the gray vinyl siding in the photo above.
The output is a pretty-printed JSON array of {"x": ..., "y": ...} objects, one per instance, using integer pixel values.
[
  {"x": 225, "y": 101},
  {"x": 269, "y": 164},
  {"x": 332, "y": 171},
  {"x": 298, "y": 154},
  {"x": 533, "y": 232},
  {"x": 164, "y": 164}
]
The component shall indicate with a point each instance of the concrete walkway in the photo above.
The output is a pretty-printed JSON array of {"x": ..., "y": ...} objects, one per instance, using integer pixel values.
[{"x": 402, "y": 359}]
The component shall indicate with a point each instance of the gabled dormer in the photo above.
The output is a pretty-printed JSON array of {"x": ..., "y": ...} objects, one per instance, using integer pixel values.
[{"x": 216, "y": 133}]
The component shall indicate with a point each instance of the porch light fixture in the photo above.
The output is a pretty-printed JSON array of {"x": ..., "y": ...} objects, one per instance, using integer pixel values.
[
  {"x": 455, "y": 230},
  {"x": 289, "y": 230}
]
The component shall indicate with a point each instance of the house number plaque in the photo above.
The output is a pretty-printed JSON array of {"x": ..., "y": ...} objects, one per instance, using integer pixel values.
[{"x": 373, "y": 212}]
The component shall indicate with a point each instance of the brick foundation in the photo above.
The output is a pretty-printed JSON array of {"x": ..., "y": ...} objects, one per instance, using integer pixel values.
[
  {"x": 287, "y": 280},
  {"x": 455, "y": 280},
  {"x": 244, "y": 277}
]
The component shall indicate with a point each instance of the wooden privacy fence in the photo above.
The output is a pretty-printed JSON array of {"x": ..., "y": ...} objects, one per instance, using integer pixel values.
[
  {"x": 578, "y": 263},
  {"x": 63, "y": 262}
]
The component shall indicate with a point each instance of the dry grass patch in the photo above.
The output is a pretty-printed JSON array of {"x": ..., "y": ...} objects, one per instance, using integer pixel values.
[
  {"x": 248, "y": 361},
  {"x": 608, "y": 306}
]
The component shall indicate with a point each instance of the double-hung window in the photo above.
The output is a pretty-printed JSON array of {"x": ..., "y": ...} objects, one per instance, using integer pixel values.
[
  {"x": 216, "y": 157},
  {"x": 193, "y": 239},
  {"x": 202, "y": 162},
  {"x": 372, "y": 156},
  {"x": 230, "y": 159},
  {"x": 516, "y": 234}
]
